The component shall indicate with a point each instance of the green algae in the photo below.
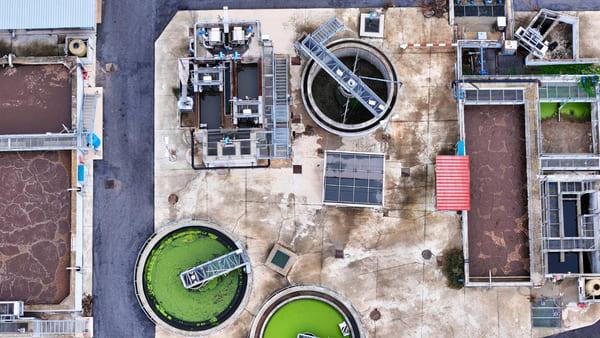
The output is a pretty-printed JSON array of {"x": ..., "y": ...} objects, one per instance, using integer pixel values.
[
  {"x": 176, "y": 253},
  {"x": 304, "y": 316}
]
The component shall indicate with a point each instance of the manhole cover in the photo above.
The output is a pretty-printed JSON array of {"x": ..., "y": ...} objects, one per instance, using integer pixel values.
[
  {"x": 339, "y": 253},
  {"x": 173, "y": 199},
  {"x": 297, "y": 169},
  {"x": 427, "y": 254},
  {"x": 375, "y": 315},
  {"x": 109, "y": 184}
]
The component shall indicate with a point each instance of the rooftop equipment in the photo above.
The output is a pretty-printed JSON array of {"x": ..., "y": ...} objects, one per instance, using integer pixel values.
[
  {"x": 532, "y": 40},
  {"x": 509, "y": 47},
  {"x": 501, "y": 23},
  {"x": 214, "y": 36}
]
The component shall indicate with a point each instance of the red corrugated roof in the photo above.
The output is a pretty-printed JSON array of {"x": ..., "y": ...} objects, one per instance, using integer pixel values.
[{"x": 452, "y": 181}]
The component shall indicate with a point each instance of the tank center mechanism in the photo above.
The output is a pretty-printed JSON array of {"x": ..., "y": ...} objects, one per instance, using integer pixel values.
[{"x": 348, "y": 87}]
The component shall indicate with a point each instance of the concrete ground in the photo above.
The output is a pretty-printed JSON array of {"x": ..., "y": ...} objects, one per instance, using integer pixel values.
[{"x": 383, "y": 266}]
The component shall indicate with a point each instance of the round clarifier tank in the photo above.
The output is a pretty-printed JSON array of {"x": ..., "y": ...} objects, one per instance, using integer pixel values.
[
  {"x": 160, "y": 291},
  {"x": 310, "y": 310},
  {"x": 334, "y": 108}
]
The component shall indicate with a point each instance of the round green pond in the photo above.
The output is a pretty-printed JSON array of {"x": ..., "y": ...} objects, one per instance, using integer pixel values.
[
  {"x": 191, "y": 310},
  {"x": 304, "y": 316}
]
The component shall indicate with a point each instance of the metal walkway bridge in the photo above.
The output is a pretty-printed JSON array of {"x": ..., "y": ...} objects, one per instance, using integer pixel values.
[
  {"x": 59, "y": 327},
  {"x": 198, "y": 276},
  {"x": 38, "y": 142},
  {"x": 312, "y": 46}
]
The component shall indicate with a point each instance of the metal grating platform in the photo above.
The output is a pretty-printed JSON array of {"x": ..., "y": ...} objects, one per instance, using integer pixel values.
[
  {"x": 281, "y": 132},
  {"x": 274, "y": 143},
  {"x": 546, "y": 313}
]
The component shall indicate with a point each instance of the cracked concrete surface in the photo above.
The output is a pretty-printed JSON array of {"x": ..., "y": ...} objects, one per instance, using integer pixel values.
[{"x": 382, "y": 266}]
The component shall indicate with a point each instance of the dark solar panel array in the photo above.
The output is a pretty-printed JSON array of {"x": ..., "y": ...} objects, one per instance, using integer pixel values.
[{"x": 354, "y": 178}]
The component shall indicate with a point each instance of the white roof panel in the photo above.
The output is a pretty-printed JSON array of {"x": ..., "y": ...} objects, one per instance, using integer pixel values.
[{"x": 47, "y": 14}]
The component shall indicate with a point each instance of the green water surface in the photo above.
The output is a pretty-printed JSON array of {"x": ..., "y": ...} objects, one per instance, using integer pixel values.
[
  {"x": 176, "y": 253},
  {"x": 304, "y": 316},
  {"x": 578, "y": 111}
]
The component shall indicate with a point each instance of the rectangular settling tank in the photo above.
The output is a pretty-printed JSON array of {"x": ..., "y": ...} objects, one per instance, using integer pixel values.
[
  {"x": 35, "y": 226},
  {"x": 498, "y": 221},
  {"x": 35, "y": 99}
]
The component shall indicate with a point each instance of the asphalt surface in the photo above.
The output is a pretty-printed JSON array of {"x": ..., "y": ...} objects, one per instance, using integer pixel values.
[
  {"x": 124, "y": 214},
  {"x": 124, "y": 209}
]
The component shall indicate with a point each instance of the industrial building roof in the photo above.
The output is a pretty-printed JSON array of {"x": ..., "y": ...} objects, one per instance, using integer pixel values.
[
  {"x": 44, "y": 14},
  {"x": 452, "y": 180}
]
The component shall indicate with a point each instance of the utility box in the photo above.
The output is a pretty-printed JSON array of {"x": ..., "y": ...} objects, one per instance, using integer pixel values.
[
  {"x": 371, "y": 25},
  {"x": 501, "y": 23},
  {"x": 509, "y": 47}
]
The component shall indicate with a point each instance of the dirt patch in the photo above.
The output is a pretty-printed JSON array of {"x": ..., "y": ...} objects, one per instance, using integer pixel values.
[
  {"x": 35, "y": 214},
  {"x": 566, "y": 137},
  {"x": 35, "y": 99},
  {"x": 498, "y": 224}
]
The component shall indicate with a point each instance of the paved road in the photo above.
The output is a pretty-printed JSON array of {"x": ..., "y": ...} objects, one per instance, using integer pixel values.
[{"x": 124, "y": 214}]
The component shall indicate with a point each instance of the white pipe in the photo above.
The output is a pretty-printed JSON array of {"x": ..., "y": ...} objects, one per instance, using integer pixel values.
[{"x": 10, "y": 60}]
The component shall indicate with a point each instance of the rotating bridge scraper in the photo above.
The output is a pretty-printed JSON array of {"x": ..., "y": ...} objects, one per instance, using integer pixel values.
[{"x": 313, "y": 46}]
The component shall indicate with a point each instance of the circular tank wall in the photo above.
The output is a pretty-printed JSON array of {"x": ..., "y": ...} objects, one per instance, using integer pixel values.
[
  {"x": 332, "y": 107},
  {"x": 310, "y": 310},
  {"x": 161, "y": 293}
]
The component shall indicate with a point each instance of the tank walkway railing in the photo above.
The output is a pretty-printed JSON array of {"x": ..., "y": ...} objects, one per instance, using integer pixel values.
[
  {"x": 570, "y": 244},
  {"x": 493, "y": 96},
  {"x": 312, "y": 46},
  {"x": 38, "y": 142},
  {"x": 200, "y": 275},
  {"x": 565, "y": 92},
  {"x": 59, "y": 327},
  {"x": 570, "y": 162}
]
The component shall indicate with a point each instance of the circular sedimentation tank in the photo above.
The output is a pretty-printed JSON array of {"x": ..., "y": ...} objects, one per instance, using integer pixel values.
[
  {"x": 332, "y": 107},
  {"x": 161, "y": 294},
  {"x": 309, "y": 310}
]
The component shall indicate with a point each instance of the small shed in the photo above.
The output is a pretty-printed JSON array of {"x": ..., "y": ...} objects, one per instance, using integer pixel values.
[{"x": 452, "y": 181}]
